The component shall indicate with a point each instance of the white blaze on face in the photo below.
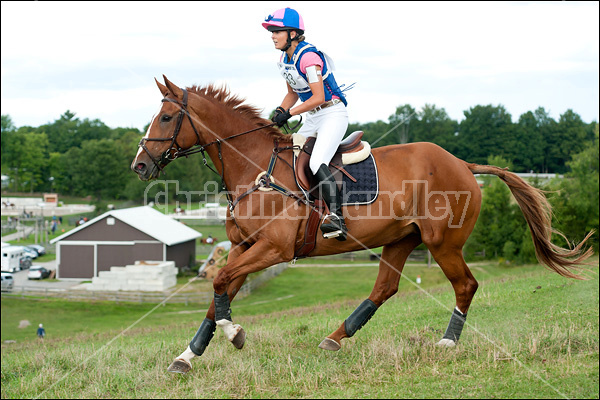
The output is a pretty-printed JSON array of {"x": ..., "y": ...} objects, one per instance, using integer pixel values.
[{"x": 147, "y": 133}]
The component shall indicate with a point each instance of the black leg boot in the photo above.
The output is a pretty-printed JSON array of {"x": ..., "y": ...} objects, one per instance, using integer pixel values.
[{"x": 334, "y": 226}]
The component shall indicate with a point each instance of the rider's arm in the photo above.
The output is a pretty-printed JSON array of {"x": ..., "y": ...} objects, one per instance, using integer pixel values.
[
  {"x": 317, "y": 98},
  {"x": 290, "y": 98}
]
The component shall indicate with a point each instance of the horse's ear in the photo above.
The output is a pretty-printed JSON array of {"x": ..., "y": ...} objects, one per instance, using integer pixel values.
[
  {"x": 176, "y": 90},
  {"x": 163, "y": 89}
]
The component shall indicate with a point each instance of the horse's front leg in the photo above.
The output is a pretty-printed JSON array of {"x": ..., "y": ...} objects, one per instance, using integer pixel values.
[
  {"x": 205, "y": 333},
  {"x": 261, "y": 255}
]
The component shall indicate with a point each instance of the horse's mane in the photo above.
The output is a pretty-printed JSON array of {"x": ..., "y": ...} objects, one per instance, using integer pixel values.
[{"x": 235, "y": 103}]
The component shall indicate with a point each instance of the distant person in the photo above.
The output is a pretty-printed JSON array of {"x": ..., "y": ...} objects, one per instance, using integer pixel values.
[
  {"x": 209, "y": 239},
  {"x": 54, "y": 225},
  {"x": 41, "y": 332},
  {"x": 59, "y": 220}
]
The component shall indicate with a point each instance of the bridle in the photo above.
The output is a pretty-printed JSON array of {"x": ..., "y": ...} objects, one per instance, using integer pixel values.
[{"x": 174, "y": 149}]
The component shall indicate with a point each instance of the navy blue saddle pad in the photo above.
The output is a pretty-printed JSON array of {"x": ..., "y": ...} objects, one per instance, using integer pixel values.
[{"x": 365, "y": 189}]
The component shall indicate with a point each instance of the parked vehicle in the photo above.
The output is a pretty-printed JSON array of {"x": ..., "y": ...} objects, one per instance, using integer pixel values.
[
  {"x": 14, "y": 258},
  {"x": 7, "y": 281},
  {"x": 25, "y": 263},
  {"x": 41, "y": 250},
  {"x": 38, "y": 272},
  {"x": 30, "y": 252}
]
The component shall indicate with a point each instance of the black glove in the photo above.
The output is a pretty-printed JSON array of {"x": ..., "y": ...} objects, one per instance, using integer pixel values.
[
  {"x": 281, "y": 116},
  {"x": 279, "y": 110}
]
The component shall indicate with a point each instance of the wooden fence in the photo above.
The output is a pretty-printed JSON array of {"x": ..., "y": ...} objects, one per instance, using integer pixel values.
[{"x": 203, "y": 298}]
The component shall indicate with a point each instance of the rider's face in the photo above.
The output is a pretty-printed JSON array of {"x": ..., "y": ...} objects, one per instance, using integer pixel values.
[{"x": 279, "y": 39}]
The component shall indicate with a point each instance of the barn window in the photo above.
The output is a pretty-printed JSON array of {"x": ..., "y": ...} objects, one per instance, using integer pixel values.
[{"x": 110, "y": 221}]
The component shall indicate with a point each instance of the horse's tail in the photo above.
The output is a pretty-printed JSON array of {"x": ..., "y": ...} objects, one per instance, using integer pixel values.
[{"x": 538, "y": 214}]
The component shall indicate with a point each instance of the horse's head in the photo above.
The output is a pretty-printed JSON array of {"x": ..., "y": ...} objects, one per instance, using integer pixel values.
[{"x": 172, "y": 130}]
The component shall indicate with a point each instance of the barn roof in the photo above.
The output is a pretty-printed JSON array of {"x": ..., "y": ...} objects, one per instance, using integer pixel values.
[{"x": 148, "y": 220}]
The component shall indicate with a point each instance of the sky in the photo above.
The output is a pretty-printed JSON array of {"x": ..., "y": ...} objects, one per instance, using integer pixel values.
[{"x": 99, "y": 59}]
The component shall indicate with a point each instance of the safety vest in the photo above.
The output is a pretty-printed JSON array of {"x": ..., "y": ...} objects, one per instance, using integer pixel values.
[{"x": 290, "y": 70}]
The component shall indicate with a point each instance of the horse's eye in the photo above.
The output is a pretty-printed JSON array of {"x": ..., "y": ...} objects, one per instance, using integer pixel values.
[{"x": 165, "y": 118}]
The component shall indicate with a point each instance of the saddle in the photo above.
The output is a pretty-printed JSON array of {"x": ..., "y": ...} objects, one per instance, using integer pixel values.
[{"x": 350, "y": 151}]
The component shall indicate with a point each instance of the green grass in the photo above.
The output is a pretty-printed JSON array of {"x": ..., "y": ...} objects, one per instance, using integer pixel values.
[
  {"x": 530, "y": 334},
  {"x": 216, "y": 231}
]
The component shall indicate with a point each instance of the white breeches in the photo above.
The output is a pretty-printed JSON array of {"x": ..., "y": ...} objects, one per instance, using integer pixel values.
[{"x": 329, "y": 127}]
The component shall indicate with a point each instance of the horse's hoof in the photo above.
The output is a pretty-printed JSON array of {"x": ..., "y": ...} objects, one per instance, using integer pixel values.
[
  {"x": 239, "y": 339},
  {"x": 330, "y": 344},
  {"x": 180, "y": 367},
  {"x": 446, "y": 343}
]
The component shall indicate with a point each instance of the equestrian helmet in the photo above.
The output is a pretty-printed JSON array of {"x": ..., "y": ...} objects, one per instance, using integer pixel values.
[{"x": 284, "y": 19}]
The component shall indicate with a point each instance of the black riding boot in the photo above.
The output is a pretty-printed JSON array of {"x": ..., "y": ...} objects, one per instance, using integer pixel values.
[{"x": 335, "y": 225}]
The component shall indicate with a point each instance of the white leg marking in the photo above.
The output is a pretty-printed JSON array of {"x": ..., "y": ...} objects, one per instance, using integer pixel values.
[
  {"x": 446, "y": 343},
  {"x": 229, "y": 328},
  {"x": 187, "y": 355}
]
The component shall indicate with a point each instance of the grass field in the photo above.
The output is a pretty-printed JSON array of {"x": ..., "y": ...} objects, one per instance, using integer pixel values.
[{"x": 530, "y": 334}]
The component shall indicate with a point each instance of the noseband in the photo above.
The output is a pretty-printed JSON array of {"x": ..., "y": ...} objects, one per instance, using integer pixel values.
[{"x": 174, "y": 149}]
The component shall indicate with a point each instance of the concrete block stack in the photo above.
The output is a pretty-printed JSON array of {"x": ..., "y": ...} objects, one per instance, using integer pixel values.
[{"x": 144, "y": 276}]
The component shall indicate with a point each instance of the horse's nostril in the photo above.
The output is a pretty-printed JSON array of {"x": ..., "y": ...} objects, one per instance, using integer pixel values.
[{"x": 140, "y": 167}]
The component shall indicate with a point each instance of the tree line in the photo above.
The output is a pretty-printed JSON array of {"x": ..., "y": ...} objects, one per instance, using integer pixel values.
[
  {"x": 536, "y": 142},
  {"x": 87, "y": 158}
]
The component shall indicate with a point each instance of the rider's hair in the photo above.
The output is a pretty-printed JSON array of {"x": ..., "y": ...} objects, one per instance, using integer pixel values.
[{"x": 299, "y": 36}]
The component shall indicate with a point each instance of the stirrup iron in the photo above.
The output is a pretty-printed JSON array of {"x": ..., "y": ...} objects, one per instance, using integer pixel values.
[{"x": 334, "y": 233}]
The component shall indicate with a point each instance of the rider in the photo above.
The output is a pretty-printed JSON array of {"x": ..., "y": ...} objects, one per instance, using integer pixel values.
[{"x": 309, "y": 77}]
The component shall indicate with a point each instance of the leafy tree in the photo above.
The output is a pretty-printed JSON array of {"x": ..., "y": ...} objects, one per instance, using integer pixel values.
[
  {"x": 64, "y": 169},
  {"x": 33, "y": 165},
  {"x": 576, "y": 202},
  {"x": 547, "y": 128},
  {"x": 68, "y": 131},
  {"x": 7, "y": 124},
  {"x": 500, "y": 228},
  {"x": 530, "y": 142},
  {"x": 376, "y": 133},
  {"x": 400, "y": 122},
  {"x": 25, "y": 158},
  {"x": 568, "y": 138},
  {"x": 62, "y": 132},
  {"x": 434, "y": 125},
  {"x": 7, "y": 128},
  {"x": 103, "y": 169},
  {"x": 484, "y": 131}
]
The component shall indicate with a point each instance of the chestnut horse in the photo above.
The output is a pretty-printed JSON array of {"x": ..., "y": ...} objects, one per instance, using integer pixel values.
[{"x": 426, "y": 195}]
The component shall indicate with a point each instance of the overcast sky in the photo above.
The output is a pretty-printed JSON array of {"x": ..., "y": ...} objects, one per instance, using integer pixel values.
[{"x": 99, "y": 59}]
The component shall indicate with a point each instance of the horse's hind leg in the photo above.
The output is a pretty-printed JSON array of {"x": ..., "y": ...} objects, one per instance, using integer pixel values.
[
  {"x": 391, "y": 264},
  {"x": 456, "y": 270}
]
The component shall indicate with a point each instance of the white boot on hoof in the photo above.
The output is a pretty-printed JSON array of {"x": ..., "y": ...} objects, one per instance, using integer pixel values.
[
  {"x": 446, "y": 343},
  {"x": 234, "y": 332}
]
